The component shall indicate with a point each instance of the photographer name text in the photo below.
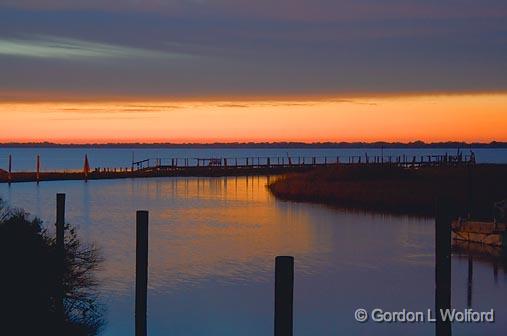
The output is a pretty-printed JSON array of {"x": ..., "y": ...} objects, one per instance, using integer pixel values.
[{"x": 405, "y": 316}]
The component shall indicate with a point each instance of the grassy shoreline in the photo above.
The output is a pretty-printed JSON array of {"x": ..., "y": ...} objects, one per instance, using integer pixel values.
[{"x": 397, "y": 190}]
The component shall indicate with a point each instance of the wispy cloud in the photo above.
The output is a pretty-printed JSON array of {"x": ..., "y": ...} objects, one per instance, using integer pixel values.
[{"x": 53, "y": 47}]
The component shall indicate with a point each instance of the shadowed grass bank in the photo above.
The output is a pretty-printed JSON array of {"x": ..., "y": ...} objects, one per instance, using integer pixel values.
[{"x": 471, "y": 189}]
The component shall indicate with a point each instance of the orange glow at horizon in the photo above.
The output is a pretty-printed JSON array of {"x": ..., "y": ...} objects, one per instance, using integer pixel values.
[{"x": 467, "y": 117}]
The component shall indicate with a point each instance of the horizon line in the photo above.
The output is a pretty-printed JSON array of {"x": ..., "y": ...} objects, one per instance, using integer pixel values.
[{"x": 415, "y": 143}]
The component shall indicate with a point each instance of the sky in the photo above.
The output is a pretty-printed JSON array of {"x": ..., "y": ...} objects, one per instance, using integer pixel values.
[{"x": 238, "y": 70}]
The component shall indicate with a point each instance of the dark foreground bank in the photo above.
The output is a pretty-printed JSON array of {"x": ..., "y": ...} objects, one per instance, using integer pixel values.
[
  {"x": 31, "y": 269},
  {"x": 473, "y": 190}
]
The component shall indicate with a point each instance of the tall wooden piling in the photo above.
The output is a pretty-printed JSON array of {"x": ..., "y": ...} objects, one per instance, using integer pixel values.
[
  {"x": 284, "y": 294},
  {"x": 37, "y": 174},
  {"x": 9, "y": 176},
  {"x": 60, "y": 250},
  {"x": 443, "y": 266},
  {"x": 470, "y": 280},
  {"x": 495, "y": 272},
  {"x": 141, "y": 272}
]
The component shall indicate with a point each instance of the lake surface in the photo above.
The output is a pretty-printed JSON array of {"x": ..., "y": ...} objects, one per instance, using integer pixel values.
[
  {"x": 212, "y": 247},
  {"x": 60, "y": 159}
]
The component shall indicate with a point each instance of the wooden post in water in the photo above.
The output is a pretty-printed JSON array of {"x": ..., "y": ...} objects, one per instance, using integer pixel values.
[
  {"x": 60, "y": 250},
  {"x": 9, "y": 176},
  {"x": 470, "y": 280},
  {"x": 284, "y": 295},
  {"x": 443, "y": 266},
  {"x": 37, "y": 174},
  {"x": 141, "y": 272}
]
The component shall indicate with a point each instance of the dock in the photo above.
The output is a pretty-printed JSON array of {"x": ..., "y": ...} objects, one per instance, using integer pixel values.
[
  {"x": 490, "y": 234},
  {"x": 226, "y": 166}
]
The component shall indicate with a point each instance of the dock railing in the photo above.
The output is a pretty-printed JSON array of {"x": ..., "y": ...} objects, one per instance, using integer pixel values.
[{"x": 161, "y": 163}]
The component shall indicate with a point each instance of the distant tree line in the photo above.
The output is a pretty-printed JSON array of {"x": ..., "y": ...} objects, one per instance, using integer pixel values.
[{"x": 378, "y": 144}]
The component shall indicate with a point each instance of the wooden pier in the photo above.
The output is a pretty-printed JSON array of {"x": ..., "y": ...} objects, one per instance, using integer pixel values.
[{"x": 227, "y": 166}]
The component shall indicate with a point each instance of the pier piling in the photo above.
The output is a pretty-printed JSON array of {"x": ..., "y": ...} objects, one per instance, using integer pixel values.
[
  {"x": 141, "y": 272},
  {"x": 442, "y": 266},
  {"x": 60, "y": 250},
  {"x": 284, "y": 291},
  {"x": 9, "y": 176},
  {"x": 470, "y": 280},
  {"x": 37, "y": 174}
]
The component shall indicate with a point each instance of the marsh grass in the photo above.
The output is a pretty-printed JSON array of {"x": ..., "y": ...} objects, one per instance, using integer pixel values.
[{"x": 471, "y": 189}]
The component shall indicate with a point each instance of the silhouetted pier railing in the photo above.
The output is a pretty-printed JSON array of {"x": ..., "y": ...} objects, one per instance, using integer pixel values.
[
  {"x": 226, "y": 166},
  {"x": 291, "y": 161}
]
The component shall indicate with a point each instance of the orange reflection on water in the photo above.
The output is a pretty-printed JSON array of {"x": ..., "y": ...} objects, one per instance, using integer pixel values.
[{"x": 202, "y": 228}]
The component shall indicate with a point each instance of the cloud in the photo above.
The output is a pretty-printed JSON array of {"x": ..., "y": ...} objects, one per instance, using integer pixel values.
[
  {"x": 53, "y": 47},
  {"x": 229, "y": 49},
  {"x": 304, "y": 10},
  {"x": 233, "y": 105}
]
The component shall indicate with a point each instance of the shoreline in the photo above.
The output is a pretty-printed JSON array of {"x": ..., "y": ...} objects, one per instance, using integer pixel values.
[{"x": 471, "y": 190}]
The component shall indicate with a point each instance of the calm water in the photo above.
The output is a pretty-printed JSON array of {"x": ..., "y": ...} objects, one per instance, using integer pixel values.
[
  {"x": 72, "y": 158},
  {"x": 212, "y": 248}
]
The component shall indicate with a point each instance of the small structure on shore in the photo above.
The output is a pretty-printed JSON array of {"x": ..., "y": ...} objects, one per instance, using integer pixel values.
[{"x": 487, "y": 233}]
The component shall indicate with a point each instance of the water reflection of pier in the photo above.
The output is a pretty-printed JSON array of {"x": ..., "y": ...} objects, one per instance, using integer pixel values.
[{"x": 479, "y": 254}]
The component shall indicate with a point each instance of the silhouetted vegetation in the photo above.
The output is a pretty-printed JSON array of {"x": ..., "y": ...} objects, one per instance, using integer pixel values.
[
  {"x": 472, "y": 190},
  {"x": 30, "y": 275}
]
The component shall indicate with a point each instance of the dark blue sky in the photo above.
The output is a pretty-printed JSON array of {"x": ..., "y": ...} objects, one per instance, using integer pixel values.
[{"x": 203, "y": 48}]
